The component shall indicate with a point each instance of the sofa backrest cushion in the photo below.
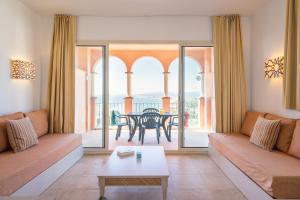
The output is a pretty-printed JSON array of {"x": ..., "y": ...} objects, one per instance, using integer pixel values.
[
  {"x": 4, "y": 143},
  {"x": 39, "y": 120},
  {"x": 295, "y": 144},
  {"x": 249, "y": 122},
  {"x": 287, "y": 127}
]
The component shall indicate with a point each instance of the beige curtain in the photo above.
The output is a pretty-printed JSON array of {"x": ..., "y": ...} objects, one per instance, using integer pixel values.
[
  {"x": 291, "y": 77},
  {"x": 230, "y": 84},
  {"x": 61, "y": 84}
]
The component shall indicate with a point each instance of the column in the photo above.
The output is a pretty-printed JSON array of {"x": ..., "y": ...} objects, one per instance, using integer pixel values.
[
  {"x": 92, "y": 109},
  {"x": 166, "y": 83},
  {"x": 166, "y": 99},
  {"x": 202, "y": 112},
  {"x": 208, "y": 87},
  {"x": 128, "y": 99},
  {"x": 129, "y": 75}
]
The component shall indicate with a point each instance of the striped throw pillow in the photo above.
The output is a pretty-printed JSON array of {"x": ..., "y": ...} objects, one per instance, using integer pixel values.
[
  {"x": 21, "y": 134},
  {"x": 265, "y": 133}
]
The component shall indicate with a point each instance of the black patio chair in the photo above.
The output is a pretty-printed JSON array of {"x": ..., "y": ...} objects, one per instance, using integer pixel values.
[
  {"x": 120, "y": 121},
  {"x": 155, "y": 110},
  {"x": 149, "y": 120},
  {"x": 173, "y": 122}
]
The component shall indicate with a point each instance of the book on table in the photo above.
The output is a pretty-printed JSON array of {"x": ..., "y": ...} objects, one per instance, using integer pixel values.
[{"x": 125, "y": 152}]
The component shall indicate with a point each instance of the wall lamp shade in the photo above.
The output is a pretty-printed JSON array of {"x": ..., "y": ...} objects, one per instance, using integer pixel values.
[
  {"x": 22, "y": 70},
  {"x": 274, "y": 67}
]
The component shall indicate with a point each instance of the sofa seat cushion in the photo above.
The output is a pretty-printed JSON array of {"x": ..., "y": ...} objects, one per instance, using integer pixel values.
[
  {"x": 275, "y": 172},
  {"x": 19, "y": 168}
]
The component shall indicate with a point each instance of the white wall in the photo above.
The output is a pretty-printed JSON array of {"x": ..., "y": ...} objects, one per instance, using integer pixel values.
[
  {"x": 268, "y": 30},
  {"x": 18, "y": 40},
  {"x": 46, "y": 31},
  {"x": 246, "y": 38},
  {"x": 28, "y": 36},
  {"x": 144, "y": 28},
  {"x": 172, "y": 28}
]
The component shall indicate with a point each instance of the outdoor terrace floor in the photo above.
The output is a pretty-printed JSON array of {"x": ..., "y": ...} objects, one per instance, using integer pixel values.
[{"x": 194, "y": 138}]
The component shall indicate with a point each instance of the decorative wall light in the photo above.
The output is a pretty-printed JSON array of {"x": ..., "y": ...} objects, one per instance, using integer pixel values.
[
  {"x": 22, "y": 70},
  {"x": 274, "y": 67}
]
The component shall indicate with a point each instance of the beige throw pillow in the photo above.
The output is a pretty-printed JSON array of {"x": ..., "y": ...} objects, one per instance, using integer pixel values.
[
  {"x": 265, "y": 133},
  {"x": 21, "y": 134}
]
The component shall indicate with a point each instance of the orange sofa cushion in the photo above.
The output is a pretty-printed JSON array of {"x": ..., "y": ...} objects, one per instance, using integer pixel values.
[
  {"x": 275, "y": 172},
  {"x": 295, "y": 144},
  {"x": 4, "y": 143},
  {"x": 249, "y": 122},
  {"x": 39, "y": 121},
  {"x": 287, "y": 127},
  {"x": 19, "y": 168}
]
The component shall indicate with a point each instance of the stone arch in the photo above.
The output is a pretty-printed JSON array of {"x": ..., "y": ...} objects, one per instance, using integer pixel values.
[
  {"x": 200, "y": 64},
  {"x": 130, "y": 56},
  {"x": 146, "y": 57},
  {"x": 110, "y": 56}
]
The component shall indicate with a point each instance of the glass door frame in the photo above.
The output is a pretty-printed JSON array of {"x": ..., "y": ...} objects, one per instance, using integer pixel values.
[
  {"x": 181, "y": 45},
  {"x": 181, "y": 94},
  {"x": 105, "y": 95}
]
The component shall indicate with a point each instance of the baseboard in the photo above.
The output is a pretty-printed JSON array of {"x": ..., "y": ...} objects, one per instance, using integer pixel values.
[
  {"x": 40, "y": 183},
  {"x": 248, "y": 187}
]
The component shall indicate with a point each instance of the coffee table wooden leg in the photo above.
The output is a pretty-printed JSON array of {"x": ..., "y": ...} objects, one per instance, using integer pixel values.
[
  {"x": 164, "y": 185},
  {"x": 101, "y": 182}
]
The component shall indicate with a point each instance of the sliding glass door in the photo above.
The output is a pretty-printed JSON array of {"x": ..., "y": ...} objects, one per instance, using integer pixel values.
[
  {"x": 89, "y": 94},
  {"x": 131, "y": 78},
  {"x": 197, "y": 95}
]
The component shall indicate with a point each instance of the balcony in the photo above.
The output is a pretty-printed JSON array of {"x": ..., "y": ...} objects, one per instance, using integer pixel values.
[{"x": 143, "y": 76}]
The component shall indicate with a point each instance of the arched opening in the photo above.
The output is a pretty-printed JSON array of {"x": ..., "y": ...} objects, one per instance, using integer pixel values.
[
  {"x": 117, "y": 84},
  {"x": 192, "y": 90},
  {"x": 193, "y": 77},
  {"x": 147, "y": 83}
]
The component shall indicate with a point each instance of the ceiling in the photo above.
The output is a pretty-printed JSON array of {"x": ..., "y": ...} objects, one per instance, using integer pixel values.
[{"x": 128, "y": 8}]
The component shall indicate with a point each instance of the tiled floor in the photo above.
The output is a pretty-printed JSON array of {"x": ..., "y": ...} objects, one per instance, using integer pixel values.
[
  {"x": 192, "y": 177},
  {"x": 194, "y": 138}
]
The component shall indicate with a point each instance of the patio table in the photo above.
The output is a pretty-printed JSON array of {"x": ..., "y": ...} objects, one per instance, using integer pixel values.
[{"x": 135, "y": 117}]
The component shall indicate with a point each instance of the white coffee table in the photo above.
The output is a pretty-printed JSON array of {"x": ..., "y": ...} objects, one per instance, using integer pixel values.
[{"x": 150, "y": 170}]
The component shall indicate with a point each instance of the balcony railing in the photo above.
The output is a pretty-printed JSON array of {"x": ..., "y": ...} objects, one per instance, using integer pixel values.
[
  {"x": 139, "y": 107},
  {"x": 191, "y": 111}
]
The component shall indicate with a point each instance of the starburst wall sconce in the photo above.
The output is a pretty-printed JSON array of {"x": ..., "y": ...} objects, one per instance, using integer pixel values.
[
  {"x": 22, "y": 70},
  {"x": 274, "y": 67}
]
